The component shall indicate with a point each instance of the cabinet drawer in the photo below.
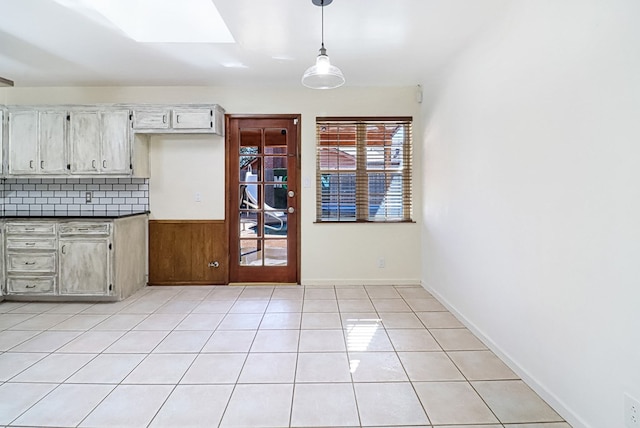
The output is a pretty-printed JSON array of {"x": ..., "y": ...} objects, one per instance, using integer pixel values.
[
  {"x": 92, "y": 229},
  {"x": 151, "y": 119},
  {"x": 24, "y": 285},
  {"x": 14, "y": 243},
  {"x": 31, "y": 262},
  {"x": 192, "y": 118},
  {"x": 30, "y": 228}
]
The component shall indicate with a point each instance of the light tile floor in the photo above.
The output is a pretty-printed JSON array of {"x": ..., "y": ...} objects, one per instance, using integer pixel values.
[{"x": 259, "y": 356}]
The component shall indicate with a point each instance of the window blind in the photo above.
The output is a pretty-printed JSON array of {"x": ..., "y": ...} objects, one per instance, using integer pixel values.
[{"x": 363, "y": 169}]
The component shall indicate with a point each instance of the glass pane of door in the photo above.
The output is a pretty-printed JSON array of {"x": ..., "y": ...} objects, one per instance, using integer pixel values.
[{"x": 263, "y": 197}]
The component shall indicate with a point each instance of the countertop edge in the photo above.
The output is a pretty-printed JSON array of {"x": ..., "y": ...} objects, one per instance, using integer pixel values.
[{"x": 73, "y": 216}]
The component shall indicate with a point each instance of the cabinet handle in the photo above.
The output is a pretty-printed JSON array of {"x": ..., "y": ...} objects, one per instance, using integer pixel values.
[
  {"x": 29, "y": 229},
  {"x": 177, "y": 118},
  {"x": 62, "y": 249},
  {"x": 29, "y": 244},
  {"x": 164, "y": 118},
  {"x": 104, "y": 163},
  {"x": 93, "y": 164},
  {"x": 41, "y": 164},
  {"x": 31, "y": 286},
  {"x": 215, "y": 264},
  {"x": 29, "y": 263},
  {"x": 31, "y": 164},
  {"x": 83, "y": 229}
]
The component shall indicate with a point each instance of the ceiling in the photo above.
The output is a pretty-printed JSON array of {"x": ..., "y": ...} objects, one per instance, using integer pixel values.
[{"x": 374, "y": 42}]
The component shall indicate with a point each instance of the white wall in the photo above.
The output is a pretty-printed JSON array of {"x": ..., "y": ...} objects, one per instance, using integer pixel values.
[
  {"x": 180, "y": 166},
  {"x": 532, "y": 200}
]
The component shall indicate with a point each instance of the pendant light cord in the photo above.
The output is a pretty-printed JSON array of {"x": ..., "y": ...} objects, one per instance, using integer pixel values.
[{"x": 322, "y": 21}]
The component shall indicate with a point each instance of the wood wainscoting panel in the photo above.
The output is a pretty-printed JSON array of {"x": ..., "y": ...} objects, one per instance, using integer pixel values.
[{"x": 187, "y": 252}]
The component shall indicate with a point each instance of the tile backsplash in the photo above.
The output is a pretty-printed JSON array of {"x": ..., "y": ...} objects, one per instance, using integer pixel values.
[{"x": 62, "y": 195}]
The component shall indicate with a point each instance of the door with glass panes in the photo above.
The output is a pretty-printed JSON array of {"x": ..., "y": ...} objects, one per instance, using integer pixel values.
[{"x": 262, "y": 183}]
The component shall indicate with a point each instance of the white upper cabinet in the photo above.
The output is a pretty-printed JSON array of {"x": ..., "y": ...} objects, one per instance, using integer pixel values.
[
  {"x": 52, "y": 150},
  {"x": 151, "y": 119},
  {"x": 37, "y": 142},
  {"x": 84, "y": 141},
  {"x": 183, "y": 119},
  {"x": 115, "y": 144},
  {"x": 89, "y": 140},
  {"x": 23, "y": 142},
  {"x": 195, "y": 118},
  {"x": 99, "y": 142}
]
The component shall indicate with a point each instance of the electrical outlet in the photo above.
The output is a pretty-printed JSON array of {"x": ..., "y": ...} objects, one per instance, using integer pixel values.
[
  {"x": 631, "y": 412},
  {"x": 381, "y": 263},
  {"x": 198, "y": 197},
  {"x": 88, "y": 197}
]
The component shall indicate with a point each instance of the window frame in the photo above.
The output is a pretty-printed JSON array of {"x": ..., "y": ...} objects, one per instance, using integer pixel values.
[{"x": 362, "y": 173}]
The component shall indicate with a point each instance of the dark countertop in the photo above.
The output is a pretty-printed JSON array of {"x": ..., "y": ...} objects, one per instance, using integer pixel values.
[{"x": 97, "y": 215}]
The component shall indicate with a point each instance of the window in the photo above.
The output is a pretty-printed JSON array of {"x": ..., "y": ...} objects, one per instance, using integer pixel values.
[{"x": 363, "y": 169}]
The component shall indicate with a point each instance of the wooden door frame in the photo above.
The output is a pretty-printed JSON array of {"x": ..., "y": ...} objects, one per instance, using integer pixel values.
[{"x": 229, "y": 209}]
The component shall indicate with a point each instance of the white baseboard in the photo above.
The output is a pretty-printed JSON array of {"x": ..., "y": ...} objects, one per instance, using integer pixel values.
[
  {"x": 347, "y": 282},
  {"x": 558, "y": 405}
]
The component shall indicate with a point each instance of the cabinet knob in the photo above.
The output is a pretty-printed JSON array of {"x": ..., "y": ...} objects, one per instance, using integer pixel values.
[{"x": 214, "y": 264}]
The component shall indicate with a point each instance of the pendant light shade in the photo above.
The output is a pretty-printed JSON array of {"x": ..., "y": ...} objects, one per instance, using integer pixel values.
[{"x": 322, "y": 75}]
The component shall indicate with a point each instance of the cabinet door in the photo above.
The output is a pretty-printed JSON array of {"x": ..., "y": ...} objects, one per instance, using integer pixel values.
[
  {"x": 23, "y": 142},
  {"x": 84, "y": 266},
  {"x": 1, "y": 136},
  {"x": 195, "y": 118},
  {"x": 116, "y": 156},
  {"x": 151, "y": 119},
  {"x": 84, "y": 142},
  {"x": 52, "y": 148}
]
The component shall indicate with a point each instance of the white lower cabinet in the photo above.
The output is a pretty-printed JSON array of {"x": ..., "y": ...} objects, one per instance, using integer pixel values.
[
  {"x": 75, "y": 260},
  {"x": 85, "y": 266},
  {"x": 30, "y": 257},
  {"x": 31, "y": 285},
  {"x": 1, "y": 246}
]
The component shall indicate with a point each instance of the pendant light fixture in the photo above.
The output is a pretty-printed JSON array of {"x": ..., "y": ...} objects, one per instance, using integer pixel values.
[{"x": 322, "y": 75}]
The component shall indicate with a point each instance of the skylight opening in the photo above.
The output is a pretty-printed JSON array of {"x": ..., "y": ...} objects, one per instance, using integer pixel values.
[{"x": 153, "y": 21}]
